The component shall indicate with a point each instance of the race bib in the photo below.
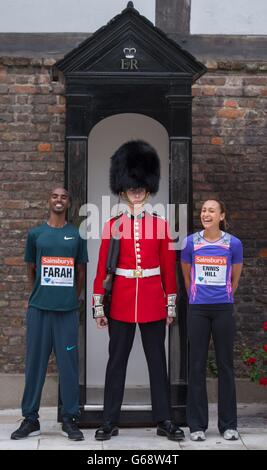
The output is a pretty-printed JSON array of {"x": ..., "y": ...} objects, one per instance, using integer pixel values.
[
  {"x": 211, "y": 270},
  {"x": 57, "y": 271}
]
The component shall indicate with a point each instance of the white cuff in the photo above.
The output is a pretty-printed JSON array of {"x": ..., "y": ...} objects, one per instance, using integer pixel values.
[
  {"x": 171, "y": 311},
  {"x": 171, "y": 299},
  {"x": 98, "y": 309}
]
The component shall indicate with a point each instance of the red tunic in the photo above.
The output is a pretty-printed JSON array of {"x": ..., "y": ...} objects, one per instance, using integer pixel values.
[{"x": 145, "y": 243}]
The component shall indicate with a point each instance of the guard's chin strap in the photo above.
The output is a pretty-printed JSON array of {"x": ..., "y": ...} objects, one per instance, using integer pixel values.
[{"x": 118, "y": 205}]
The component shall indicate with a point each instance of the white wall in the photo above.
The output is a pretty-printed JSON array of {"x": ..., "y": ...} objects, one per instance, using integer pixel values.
[
  {"x": 47, "y": 16},
  {"x": 207, "y": 16},
  {"x": 228, "y": 17}
]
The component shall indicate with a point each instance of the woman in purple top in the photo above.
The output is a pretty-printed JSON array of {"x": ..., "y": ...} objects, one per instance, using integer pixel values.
[{"x": 212, "y": 264}]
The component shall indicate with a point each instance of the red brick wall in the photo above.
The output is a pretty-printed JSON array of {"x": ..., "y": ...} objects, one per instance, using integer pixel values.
[
  {"x": 32, "y": 127},
  {"x": 229, "y": 161}
]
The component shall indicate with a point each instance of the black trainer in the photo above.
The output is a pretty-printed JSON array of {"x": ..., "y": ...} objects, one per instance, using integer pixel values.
[
  {"x": 26, "y": 429},
  {"x": 71, "y": 430}
]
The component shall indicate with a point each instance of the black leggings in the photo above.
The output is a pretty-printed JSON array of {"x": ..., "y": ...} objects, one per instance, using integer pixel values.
[{"x": 205, "y": 320}]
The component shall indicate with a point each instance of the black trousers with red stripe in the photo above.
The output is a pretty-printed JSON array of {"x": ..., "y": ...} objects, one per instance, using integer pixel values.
[{"x": 121, "y": 341}]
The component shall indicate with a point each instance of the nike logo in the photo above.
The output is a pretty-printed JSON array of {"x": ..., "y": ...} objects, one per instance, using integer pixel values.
[
  {"x": 69, "y": 348},
  {"x": 69, "y": 238}
]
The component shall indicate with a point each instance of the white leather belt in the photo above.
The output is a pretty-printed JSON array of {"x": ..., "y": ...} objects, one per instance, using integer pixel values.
[{"x": 138, "y": 272}]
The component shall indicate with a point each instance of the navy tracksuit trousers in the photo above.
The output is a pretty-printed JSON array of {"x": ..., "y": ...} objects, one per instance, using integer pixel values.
[{"x": 47, "y": 331}]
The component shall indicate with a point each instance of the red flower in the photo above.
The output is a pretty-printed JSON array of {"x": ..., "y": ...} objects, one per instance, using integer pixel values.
[
  {"x": 256, "y": 361},
  {"x": 251, "y": 360}
]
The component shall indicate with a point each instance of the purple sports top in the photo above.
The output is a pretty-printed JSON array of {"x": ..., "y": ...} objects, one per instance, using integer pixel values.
[{"x": 211, "y": 267}]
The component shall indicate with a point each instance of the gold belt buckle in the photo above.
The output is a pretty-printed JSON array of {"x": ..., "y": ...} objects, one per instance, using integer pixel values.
[{"x": 138, "y": 273}]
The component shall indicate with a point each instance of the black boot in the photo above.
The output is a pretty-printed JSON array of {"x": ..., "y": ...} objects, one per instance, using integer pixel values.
[
  {"x": 106, "y": 431},
  {"x": 170, "y": 430}
]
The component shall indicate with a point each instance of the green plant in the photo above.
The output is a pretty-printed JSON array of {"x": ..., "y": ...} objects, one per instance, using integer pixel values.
[{"x": 256, "y": 362}]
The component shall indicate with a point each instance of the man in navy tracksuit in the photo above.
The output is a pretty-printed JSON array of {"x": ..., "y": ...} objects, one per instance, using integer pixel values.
[{"x": 56, "y": 256}]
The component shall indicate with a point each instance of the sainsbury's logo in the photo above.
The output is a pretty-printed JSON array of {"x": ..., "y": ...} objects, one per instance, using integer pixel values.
[{"x": 215, "y": 260}]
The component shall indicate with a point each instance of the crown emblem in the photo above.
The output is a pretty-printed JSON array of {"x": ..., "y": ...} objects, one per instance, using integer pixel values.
[{"x": 129, "y": 52}]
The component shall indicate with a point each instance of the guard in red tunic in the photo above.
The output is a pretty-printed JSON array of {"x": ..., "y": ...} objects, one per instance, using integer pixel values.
[{"x": 144, "y": 287}]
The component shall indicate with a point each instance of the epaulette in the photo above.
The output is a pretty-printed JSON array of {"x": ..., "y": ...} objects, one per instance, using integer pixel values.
[
  {"x": 155, "y": 214},
  {"x": 115, "y": 217},
  {"x": 118, "y": 215}
]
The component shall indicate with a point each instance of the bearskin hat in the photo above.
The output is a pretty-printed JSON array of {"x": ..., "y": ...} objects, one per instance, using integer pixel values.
[{"x": 135, "y": 165}]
